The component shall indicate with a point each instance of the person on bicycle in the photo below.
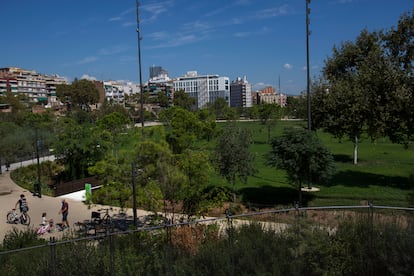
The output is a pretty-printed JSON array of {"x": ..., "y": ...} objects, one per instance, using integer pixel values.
[{"x": 23, "y": 206}]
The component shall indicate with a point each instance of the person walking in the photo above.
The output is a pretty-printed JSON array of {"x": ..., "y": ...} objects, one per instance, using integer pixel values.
[
  {"x": 23, "y": 206},
  {"x": 64, "y": 210}
]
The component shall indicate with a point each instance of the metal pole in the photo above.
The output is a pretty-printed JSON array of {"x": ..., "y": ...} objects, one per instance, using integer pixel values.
[
  {"x": 307, "y": 65},
  {"x": 134, "y": 192},
  {"x": 37, "y": 188},
  {"x": 140, "y": 70}
]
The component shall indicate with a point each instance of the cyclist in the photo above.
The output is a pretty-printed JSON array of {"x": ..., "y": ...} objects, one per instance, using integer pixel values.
[{"x": 23, "y": 206}]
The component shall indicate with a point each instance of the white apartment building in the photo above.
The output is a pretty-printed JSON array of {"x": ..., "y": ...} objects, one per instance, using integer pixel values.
[
  {"x": 204, "y": 88},
  {"x": 240, "y": 93},
  {"x": 37, "y": 88}
]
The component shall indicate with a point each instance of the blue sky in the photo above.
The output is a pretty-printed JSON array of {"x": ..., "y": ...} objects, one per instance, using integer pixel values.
[{"x": 261, "y": 39}]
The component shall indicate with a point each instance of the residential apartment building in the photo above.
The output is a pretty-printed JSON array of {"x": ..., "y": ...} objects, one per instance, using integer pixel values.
[
  {"x": 35, "y": 87},
  {"x": 240, "y": 93},
  {"x": 203, "y": 88},
  {"x": 269, "y": 95}
]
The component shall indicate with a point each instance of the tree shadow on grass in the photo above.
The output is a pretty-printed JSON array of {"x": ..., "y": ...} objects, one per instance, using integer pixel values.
[
  {"x": 268, "y": 196},
  {"x": 363, "y": 179},
  {"x": 343, "y": 158}
]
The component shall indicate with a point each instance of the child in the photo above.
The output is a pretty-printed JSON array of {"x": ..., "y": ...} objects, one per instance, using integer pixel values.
[{"x": 46, "y": 226}]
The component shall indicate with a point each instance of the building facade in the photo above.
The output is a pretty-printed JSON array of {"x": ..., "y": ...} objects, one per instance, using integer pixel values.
[
  {"x": 270, "y": 96},
  {"x": 34, "y": 87},
  {"x": 240, "y": 93},
  {"x": 203, "y": 88}
]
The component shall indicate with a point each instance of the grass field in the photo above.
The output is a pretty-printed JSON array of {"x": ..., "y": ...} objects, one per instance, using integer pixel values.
[{"x": 384, "y": 173}]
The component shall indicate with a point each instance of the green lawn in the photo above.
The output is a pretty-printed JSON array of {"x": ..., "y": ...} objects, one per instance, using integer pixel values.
[{"x": 384, "y": 173}]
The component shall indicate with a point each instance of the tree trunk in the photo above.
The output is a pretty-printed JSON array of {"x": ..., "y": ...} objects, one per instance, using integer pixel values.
[
  {"x": 356, "y": 150},
  {"x": 300, "y": 194}
]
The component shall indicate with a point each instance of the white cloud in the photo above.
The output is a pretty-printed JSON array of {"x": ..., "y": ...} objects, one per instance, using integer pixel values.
[
  {"x": 260, "y": 85},
  {"x": 117, "y": 18},
  {"x": 287, "y": 66},
  {"x": 112, "y": 50},
  {"x": 155, "y": 9},
  {"x": 272, "y": 12},
  {"x": 87, "y": 77},
  {"x": 87, "y": 60},
  {"x": 242, "y": 34}
]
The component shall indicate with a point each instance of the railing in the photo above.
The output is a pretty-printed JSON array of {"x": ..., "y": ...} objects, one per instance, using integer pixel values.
[{"x": 228, "y": 220}]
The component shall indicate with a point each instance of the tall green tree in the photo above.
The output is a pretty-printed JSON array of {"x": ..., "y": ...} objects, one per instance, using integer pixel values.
[
  {"x": 182, "y": 127},
  {"x": 302, "y": 155},
  {"x": 354, "y": 90},
  {"x": 79, "y": 146},
  {"x": 269, "y": 114},
  {"x": 399, "y": 46},
  {"x": 232, "y": 156},
  {"x": 115, "y": 123},
  {"x": 183, "y": 100},
  {"x": 81, "y": 94},
  {"x": 195, "y": 165}
]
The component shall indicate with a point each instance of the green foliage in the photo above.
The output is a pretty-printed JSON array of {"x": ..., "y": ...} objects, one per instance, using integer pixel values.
[
  {"x": 81, "y": 94},
  {"x": 183, "y": 100},
  {"x": 269, "y": 114},
  {"x": 78, "y": 147},
  {"x": 232, "y": 156},
  {"x": 303, "y": 156},
  {"x": 355, "y": 247},
  {"x": 182, "y": 128},
  {"x": 16, "y": 239},
  {"x": 26, "y": 177}
]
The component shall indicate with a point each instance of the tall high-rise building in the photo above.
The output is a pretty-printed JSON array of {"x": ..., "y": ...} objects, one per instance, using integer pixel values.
[
  {"x": 157, "y": 72},
  {"x": 203, "y": 88},
  {"x": 240, "y": 93}
]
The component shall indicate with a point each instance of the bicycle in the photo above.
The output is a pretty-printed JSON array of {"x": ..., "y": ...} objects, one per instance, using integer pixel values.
[
  {"x": 13, "y": 217},
  {"x": 104, "y": 223}
]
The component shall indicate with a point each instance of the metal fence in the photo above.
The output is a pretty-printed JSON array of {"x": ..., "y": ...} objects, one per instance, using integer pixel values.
[{"x": 51, "y": 254}]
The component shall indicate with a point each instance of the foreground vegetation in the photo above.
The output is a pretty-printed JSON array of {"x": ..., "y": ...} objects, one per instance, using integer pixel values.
[
  {"x": 356, "y": 247},
  {"x": 383, "y": 176}
]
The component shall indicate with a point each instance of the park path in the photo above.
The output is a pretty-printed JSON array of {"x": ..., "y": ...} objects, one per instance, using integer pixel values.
[
  {"x": 78, "y": 211},
  {"x": 10, "y": 193}
]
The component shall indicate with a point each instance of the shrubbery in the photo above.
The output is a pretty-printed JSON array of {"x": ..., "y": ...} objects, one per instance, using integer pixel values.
[{"x": 355, "y": 247}]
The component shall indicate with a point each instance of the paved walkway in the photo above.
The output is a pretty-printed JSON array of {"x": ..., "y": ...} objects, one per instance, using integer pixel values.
[{"x": 10, "y": 192}]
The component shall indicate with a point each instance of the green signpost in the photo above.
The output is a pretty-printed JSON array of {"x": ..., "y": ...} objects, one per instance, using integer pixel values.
[{"x": 88, "y": 192}]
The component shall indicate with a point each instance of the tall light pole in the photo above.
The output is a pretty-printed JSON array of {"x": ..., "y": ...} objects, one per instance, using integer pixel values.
[
  {"x": 308, "y": 80},
  {"x": 307, "y": 66},
  {"x": 37, "y": 191},
  {"x": 140, "y": 70}
]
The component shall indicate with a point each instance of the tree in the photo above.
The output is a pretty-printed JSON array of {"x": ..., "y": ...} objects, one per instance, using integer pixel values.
[
  {"x": 220, "y": 108},
  {"x": 303, "y": 156},
  {"x": 116, "y": 124},
  {"x": 162, "y": 99},
  {"x": 81, "y": 93},
  {"x": 354, "y": 89},
  {"x": 183, "y": 100},
  {"x": 116, "y": 182},
  {"x": 182, "y": 126},
  {"x": 399, "y": 47},
  {"x": 296, "y": 106},
  {"x": 195, "y": 165},
  {"x": 233, "y": 158},
  {"x": 79, "y": 146},
  {"x": 269, "y": 114}
]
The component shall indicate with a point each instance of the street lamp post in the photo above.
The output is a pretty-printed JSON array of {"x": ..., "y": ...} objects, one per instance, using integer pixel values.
[
  {"x": 37, "y": 186},
  {"x": 308, "y": 98},
  {"x": 140, "y": 70},
  {"x": 307, "y": 66}
]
